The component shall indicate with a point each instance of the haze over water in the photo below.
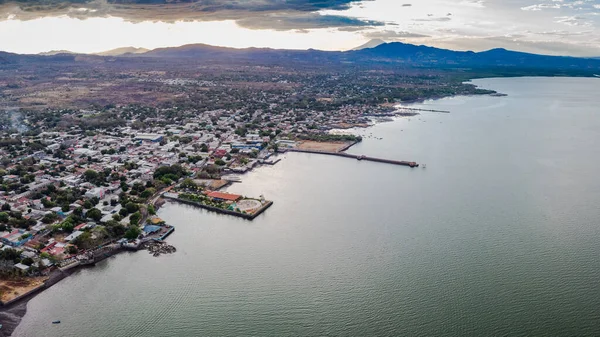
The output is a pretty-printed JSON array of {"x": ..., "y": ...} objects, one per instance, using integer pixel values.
[{"x": 497, "y": 236}]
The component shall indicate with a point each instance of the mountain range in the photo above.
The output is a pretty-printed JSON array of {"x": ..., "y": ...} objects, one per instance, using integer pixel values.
[
  {"x": 112, "y": 52},
  {"x": 394, "y": 54}
]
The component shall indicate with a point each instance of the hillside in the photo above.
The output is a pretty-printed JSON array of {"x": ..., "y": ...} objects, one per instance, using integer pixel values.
[{"x": 123, "y": 51}]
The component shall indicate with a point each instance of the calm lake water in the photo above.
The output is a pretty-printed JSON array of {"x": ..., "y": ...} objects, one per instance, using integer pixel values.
[{"x": 499, "y": 235}]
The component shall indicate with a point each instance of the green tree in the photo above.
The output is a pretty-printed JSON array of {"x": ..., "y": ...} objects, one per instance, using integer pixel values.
[
  {"x": 131, "y": 207},
  {"x": 134, "y": 218},
  {"x": 132, "y": 232},
  {"x": 90, "y": 175},
  {"x": 94, "y": 214}
]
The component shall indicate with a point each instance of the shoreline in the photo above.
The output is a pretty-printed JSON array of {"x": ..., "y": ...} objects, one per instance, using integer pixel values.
[
  {"x": 12, "y": 314},
  {"x": 14, "y": 310}
]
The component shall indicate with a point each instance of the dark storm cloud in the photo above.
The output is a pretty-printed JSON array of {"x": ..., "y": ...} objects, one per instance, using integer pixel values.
[
  {"x": 169, "y": 9},
  {"x": 253, "y": 14}
]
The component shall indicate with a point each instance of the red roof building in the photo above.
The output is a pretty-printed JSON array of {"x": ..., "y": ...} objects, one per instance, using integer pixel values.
[{"x": 224, "y": 196}]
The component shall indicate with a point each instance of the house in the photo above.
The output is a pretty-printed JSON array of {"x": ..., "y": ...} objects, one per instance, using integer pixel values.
[
  {"x": 16, "y": 238},
  {"x": 97, "y": 192},
  {"x": 149, "y": 137},
  {"x": 223, "y": 196},
  {"x": 73, "y": 236},
  {"x": 220, "y": 153},
  {"x": 21, "y": 266},
  {"x": 80, "y": 226}
]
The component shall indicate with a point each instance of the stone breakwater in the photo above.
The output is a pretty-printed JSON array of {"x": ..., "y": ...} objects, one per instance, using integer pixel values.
[{"x": 156, "y": 248}]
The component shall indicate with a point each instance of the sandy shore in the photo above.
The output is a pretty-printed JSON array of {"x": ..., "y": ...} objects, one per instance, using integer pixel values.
[{"x": 323, "y": 146}]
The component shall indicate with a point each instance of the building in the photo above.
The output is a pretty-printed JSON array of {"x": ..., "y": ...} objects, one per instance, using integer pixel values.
[
  {"x": 149, "y": 137},
  {"x": 16, "y": 238},
  {"x": 223, "y": 196},
  {"x": 220, "y": 153},
  {"x": 73, "y": 236},
  {"x": 97, "y": 192}
]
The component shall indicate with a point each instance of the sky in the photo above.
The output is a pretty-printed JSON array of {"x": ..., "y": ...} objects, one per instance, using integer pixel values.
[{"x": 555, "y": 27}]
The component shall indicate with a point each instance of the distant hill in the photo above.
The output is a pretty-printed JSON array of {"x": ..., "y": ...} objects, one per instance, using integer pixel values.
[
  {"x": 370, "y": 44},
  {"x": 424, "y": 56},
  {"x": 123, "y": 51},
  {"x": 56, "y": 52}
]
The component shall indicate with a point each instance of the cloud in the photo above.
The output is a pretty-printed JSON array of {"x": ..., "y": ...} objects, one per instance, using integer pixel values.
[
  {"x": 392, "y": 35},
  {"x": 473, "y": 3},
  {"x": 248, "y": 12},
  {"x": 573, "y": 20},
  {"x": 304, "y": 21},
  {"x": 432, "y": 18}
]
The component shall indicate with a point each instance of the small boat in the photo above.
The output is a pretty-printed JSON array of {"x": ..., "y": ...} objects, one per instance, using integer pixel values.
[{"x": 56, "y": 322}]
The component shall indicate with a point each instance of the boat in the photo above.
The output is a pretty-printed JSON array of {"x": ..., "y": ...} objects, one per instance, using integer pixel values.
[{"x": 56, "y": 322}]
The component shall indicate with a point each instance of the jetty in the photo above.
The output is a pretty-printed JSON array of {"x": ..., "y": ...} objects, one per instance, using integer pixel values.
[
  {"x": 426, "y": 110},
  {"x": 358, "y": 157}
]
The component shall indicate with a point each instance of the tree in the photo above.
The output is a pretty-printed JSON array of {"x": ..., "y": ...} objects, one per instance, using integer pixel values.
[
  {"x": 188, "y": 183},
  {"x": 78, "y": 211},
  {"x": 151, "y": 209},
  {"x": 4, "y": 217},
  {"x": 146, "y": 194},
  {"x": 49, "y": 218},
  {"x": 5, "y": 207},
  {"x": 87, "y": 204},
  {"x": 134, "y": 218},
  {"x": 65, "y": 208},
  {"x": 72, "y": 250},
  {"x": 131, "y": 207},
  {"x": 123, "y": 212},
  {"x": 94, "y": 214},
  {"x": 90, "y": 175},
  {"x": 132, "y": 232}
]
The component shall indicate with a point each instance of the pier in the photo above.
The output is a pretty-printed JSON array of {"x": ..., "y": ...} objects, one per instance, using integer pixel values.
[{"x": 359, "y": 157}]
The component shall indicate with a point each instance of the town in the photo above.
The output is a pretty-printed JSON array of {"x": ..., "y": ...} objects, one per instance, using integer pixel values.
[
  {"x": 72, "y": 196},
  {"x": 90, "y": 151}
]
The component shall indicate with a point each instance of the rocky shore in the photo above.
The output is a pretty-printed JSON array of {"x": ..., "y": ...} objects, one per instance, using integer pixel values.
[{"x": 156, "y": 248}]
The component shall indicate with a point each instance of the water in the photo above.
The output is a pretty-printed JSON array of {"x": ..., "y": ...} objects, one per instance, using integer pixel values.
[{"x": 497, "y": 236}]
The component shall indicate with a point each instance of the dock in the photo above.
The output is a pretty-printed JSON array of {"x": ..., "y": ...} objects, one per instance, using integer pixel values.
[{"x": 359, "y": 157}]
